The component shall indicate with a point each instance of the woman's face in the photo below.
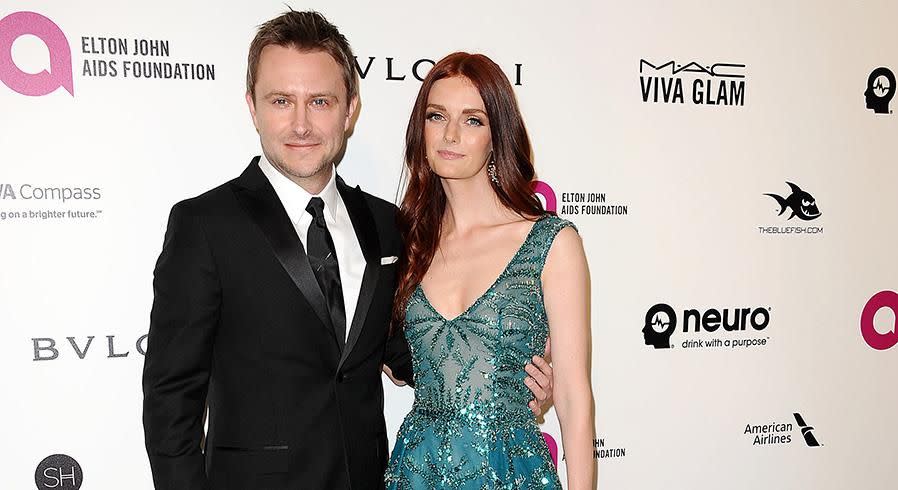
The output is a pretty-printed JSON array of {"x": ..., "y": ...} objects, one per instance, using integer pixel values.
[{"x": 456, "y": 130}]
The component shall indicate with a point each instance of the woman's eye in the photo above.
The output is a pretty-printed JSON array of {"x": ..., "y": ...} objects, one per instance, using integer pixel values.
[
  {"x": 434, "y": 116},
  {"x": 473, "y": 121}
]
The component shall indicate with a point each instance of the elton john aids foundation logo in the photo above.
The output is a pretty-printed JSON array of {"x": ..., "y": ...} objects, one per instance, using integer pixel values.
[
  {"x": 543, "y": 190},
  {"x": 579, "y": 203},
  {"x": 873, "y": 338},
  {"x": 59, "y": 472},
  {"x": 880, "y": 90},
  {"x": 19, "y": 24}
]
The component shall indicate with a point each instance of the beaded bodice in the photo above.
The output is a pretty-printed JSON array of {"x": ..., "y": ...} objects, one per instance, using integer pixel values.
[
  {"x": 469, "y": 370},
  {"x": 470, "y": 427}
]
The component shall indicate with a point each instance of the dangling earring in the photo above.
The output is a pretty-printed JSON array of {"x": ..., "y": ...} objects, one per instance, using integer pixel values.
[{"x": 491, "y": 169}]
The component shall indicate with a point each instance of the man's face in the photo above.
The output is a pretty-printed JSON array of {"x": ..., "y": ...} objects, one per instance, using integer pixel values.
[{"x": 301, "y": 112}]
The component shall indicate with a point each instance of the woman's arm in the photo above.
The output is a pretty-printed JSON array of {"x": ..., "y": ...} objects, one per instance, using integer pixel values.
[{"x": 566, "y": 295}]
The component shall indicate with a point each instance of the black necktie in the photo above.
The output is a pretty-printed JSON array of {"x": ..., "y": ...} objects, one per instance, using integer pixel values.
[{"x": 323, "y": 259}]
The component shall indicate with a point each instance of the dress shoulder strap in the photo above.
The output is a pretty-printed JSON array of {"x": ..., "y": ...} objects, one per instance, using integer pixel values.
[{"x": 541, "y": 238}]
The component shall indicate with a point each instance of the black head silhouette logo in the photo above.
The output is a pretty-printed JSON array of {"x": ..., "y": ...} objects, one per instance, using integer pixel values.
[
  {"x": 800, "y": 202},
  {"x": 880, "y": 90},
  {"x": 660, "y": 323}
]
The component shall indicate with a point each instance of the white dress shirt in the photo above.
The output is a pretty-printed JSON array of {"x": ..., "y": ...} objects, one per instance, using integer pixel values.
[{"x": 349, "y": 254}]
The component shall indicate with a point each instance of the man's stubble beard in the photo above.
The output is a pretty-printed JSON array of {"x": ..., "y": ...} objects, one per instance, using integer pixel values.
[{"x": 290, "y": 173}]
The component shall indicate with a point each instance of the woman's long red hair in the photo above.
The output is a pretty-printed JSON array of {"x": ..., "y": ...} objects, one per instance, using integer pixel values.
[{"x": 421, "y": 211}]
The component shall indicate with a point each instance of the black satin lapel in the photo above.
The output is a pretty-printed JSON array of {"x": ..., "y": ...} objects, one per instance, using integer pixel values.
[
  {"x": 264, "y": 207},
  {"x": 366, "y": 232},
  {"x": 366, "y": 293}
]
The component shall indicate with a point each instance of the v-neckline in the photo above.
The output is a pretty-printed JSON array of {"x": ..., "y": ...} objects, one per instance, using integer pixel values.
[{"x": 477, "y": 301}]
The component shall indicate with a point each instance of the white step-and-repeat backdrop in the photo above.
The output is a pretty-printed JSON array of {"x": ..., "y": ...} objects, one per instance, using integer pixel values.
[{"x": 732, "y": 167}]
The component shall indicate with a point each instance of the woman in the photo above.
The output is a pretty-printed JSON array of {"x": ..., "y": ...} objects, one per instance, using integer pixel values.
[{"x": 487, "y": 277}]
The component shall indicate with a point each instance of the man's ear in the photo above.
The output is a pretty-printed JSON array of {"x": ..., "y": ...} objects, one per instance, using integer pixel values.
[
  {"x": 353, "y": 106},
  {"x": 252, "y": 109}
]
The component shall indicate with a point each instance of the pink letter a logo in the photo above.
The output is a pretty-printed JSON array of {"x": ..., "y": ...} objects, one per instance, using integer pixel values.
[
  {"x": 880, "y": 341},
  {"x": 543, "y": 189},
  {"x": 19, "y": 24}
]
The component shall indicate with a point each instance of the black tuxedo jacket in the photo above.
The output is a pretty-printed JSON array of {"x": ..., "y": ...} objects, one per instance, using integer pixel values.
[{"x": 239, "y": 323}]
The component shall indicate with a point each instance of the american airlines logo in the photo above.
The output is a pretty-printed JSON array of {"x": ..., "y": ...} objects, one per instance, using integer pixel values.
[
  {"x": 773, "y": 433},
  {"x": 806, "y": 431}
]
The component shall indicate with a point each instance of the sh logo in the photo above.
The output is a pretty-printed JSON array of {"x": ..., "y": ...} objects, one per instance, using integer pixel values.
[{"x": 59, "y": 472}]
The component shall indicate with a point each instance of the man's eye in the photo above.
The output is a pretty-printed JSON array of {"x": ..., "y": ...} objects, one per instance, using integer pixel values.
[
  {"x": 319, "y": 102},
  {"x": 280, "y": 101}
]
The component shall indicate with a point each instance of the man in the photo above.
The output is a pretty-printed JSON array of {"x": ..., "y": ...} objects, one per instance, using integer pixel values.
[{"x": 273, "y": 295}]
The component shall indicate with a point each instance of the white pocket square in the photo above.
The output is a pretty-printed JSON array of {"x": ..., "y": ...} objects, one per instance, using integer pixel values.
[{"x": 388, "y": 260}]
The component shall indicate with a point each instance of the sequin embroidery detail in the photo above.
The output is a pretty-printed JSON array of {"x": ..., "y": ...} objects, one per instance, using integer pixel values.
[{"x": 470, "y": 427}]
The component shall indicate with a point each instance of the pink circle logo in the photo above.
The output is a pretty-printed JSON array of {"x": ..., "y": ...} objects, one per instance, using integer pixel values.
[
  {"x": 880, "y": 341},
  {"x": 553, "y": 447},
  {"x": 545, "y": 190},
  {"x": 18, "y": 24}
]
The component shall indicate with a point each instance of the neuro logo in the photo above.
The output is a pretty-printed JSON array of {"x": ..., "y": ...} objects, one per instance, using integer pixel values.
[
  {"x": 660, "y": 323},
  {"x": 59, "y": 472},
  {"x": 806, "y": 431},
  {"x": 876, "y": 340},
  {"x": 880, "y": 90},
  {"x": 544, "y": 190},
  {"x": 800, "y": 202},
  {"x": 19, "y": 24},
  {"x": 711, "y": 328},
  {"x": 553, "y": 447}
]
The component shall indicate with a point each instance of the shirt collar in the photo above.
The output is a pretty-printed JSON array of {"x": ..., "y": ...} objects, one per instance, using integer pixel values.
[{"x": 295, "y": 198}]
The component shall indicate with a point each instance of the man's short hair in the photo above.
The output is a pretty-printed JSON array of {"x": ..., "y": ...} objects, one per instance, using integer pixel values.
[{"x": 306, "y": 31}]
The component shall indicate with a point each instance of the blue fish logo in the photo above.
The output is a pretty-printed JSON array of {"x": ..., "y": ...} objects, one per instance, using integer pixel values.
[{"x": 800, "y": 202}]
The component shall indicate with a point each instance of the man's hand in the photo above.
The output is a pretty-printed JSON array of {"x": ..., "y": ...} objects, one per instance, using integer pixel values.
[{"x": 540, "y": 381}]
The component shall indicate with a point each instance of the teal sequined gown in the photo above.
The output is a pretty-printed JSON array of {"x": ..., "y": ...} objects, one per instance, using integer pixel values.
[{"x": 470, "y": 427}]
